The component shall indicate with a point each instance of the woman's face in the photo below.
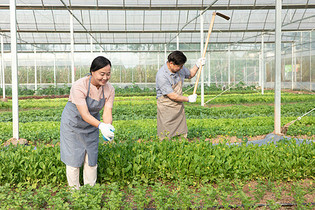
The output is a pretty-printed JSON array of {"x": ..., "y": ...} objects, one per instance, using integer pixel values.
[{"x": 101, "y": 76}]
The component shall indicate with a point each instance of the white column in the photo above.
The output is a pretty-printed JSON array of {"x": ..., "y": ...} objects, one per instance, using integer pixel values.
[
  {"x": 165, "y": 56},
  {"x": 72, "y": 49},
  {"x": 201, "y": 52},
  {"x": 27, "y": 85},
  {"x": 120, "y": 74},
  {"x": 2, "y": 67},
  {"x": 35, "y": 70},
  {"x": 234, "y": 72},
  {"x": 292, "y": 66},
  {"x": 55, "y": 77},
  {"x": 301, "y": 54},
  {"x": 209, "y": 72},
  {"x": 177, "y": 42},
  {"x": 310, "y": 61},
  {"x": 145, "y": 70},
  {"x": 14, "y": 70},
  {"x": 277, "y": 108},
  {"x": 263, "y": 69},
  {"x": 91, "y": 45},
  {"x": 229, "y": 67},
  {"x": 259, "y": 69}
]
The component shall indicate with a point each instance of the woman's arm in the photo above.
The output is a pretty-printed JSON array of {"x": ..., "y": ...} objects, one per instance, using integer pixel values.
[
  {"x": 107, "y": 115},
  {"x": 86, "y": 116}
]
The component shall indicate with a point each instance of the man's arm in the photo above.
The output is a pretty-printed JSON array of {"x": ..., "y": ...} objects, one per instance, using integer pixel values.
[
  {"x": 175, "y": 97},
  {"x": 193, "y": 71}
]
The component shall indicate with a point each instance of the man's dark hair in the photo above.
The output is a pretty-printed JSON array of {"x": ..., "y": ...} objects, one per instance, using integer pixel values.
[
  {"x": 99, "y": 63},
  {"x": 177, "y": 57}
]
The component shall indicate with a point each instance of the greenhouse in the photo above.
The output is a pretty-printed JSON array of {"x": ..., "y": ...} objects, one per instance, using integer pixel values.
[{"x": 249, "y": 138}]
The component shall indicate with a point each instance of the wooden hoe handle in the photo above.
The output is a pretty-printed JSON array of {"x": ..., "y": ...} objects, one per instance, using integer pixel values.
[{"x": 204, "y": 51}]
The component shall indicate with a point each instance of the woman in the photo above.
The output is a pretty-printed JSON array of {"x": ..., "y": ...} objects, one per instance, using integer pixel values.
[{"x": 80, "y": 122}]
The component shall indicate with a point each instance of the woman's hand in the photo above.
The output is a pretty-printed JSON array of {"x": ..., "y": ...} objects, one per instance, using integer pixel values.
[{"x": 107, "y": 131}]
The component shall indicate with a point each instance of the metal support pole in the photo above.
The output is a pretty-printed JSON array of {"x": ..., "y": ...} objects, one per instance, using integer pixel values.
[
  {"x": 201, "y": 52},
  {"x": 72, "y": 49},
  {"x": 234, "y": 73},
  {"x": 259, "y": 69},
  {"x": 55, "y": 76},
  {"x": 120, "y": 74},
  {"x": 177, "y": 42},
  {"x": 301, "y": 62},
  {"x": 165, "y": 56},
  {"x": 277, "y": 108},
  {"x": 91, "y": 45},
  {"x": 229, "y": 66},
  {"x": 14, "y": 70},
  {"x": 292, "y": 66},
  {"x": 35, "y": 70},
  {"x": 263, "y": 69},
  {"x": 209, "y": 72},
  {"x": 310, "y": 61},
  {"x": 2, "y": 67}
]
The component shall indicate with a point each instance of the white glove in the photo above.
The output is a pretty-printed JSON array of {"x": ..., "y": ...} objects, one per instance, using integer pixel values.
[
  {"x": 107, "y": 131},
  {"x": 192, "y": 98},
  {"x": 200, "y": 62}
]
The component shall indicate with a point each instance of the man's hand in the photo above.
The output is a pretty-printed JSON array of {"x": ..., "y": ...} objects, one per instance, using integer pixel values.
[
  {"x": 192, "y": 98},
  {"x": 200, "y": 62},
  {"x": 107, "y": 131}
]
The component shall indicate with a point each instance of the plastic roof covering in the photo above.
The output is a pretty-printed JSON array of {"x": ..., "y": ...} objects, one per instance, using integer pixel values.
[{"x": 153, "y": 21}]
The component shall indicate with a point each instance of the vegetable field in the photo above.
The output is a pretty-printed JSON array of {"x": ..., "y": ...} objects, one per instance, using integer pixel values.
[{"x": 139, "y": 171}]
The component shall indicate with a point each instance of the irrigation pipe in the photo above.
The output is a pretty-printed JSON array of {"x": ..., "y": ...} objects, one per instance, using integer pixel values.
[
  {"x": 225, "y": 90},
  {"x": 284, "y": 129}
]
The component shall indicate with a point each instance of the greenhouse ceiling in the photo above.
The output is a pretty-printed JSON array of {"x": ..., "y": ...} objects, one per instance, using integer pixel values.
[{"x": 154, "y": 21}]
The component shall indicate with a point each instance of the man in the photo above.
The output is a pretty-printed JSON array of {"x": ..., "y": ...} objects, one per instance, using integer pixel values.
[{"x": 171, "y": 120}]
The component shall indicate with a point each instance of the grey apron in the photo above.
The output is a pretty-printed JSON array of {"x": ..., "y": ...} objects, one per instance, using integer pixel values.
[
  {"x": 171, "y": 119},
  {"x": 78, "y": 137}
]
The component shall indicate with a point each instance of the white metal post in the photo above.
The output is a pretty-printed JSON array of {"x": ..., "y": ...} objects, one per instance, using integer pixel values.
[
  {"x": 277, "y": 108},
  {"x": 91, "y": 44},
  {"x": 2, "y": 67},
  {"x": 55, "y": 76},
  {"x": 301, "y": 57},
  {"x": 14, "y": 70},
  {"x": 310, "y": 60},
  {"x": 292, "y": 66},
  {"x": 259, "y": 71},
  {"x": 165, "y": 56},
  {"x": 263, "y": 69},
  {"x": 120, "y": 74},
  {"x": 229, "y": 67},
  {"x": 72, "y": 49},
  {"x": 201, "y": 52},
  {"x": 177, "y": 42},
  {"x": 35, "y": 70},
  {"x": 234, "y": 72},
  {"x": 209, "y": 72}
]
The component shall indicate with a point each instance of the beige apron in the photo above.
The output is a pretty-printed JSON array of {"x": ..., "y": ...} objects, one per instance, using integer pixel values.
[{"x": 171, "y": 120}]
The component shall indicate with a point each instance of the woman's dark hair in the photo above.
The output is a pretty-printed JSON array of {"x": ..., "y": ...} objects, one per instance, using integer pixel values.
[
  {"x": 177, "y": 57},
  {"x": 98, "y": 63}
]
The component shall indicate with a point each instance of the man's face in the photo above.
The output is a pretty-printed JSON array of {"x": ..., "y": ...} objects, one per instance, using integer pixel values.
[{"x": 175, "y": 68}]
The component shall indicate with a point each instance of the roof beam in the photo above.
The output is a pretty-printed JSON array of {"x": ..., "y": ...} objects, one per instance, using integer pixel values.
[
  {"x": 154, "y": 31},
  {"x": 157, "y": 7}
]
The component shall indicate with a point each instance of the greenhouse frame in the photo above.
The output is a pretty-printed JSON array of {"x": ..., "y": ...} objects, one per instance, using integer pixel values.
[{"x": 56, "y": 40}]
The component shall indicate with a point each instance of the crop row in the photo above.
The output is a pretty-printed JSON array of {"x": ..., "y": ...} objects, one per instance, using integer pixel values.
[
  {"x": 154, "y": 160},
  {"x": 175, "y": 195},
  {"x": 224, "y": 99},
  {"x": 126, "y": 130},
  {"x": 137, "y": 112}
]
